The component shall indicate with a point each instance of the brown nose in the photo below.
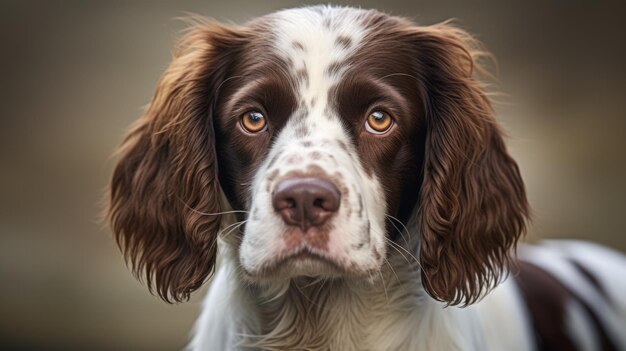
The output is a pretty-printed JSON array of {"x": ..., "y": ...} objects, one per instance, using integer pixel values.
[{"x": 306, "y": 202}]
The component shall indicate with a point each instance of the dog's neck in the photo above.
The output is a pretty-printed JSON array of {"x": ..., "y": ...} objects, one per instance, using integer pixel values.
[
  {"x": 390, "y": 311},
  {"x": 336, "y": 314}
]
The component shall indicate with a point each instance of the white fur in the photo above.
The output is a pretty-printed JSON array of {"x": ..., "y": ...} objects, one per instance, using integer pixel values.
[
  {"x": 504, "y": 307},
  {"x": 396, "y": 314}
]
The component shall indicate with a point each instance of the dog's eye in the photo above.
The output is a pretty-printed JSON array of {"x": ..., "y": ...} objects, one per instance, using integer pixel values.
[
  {"x": 378, "y": 122},
  {"x": 253, "y": 121}
]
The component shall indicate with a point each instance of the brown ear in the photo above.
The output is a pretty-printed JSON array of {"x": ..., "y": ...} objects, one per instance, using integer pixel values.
[
  {"x": 472, "y": 206},
  {"x": 167, "y": 174}
]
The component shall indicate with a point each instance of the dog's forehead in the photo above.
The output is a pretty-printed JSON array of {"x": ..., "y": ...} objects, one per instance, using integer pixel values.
[{"x": 317, "y": 43}]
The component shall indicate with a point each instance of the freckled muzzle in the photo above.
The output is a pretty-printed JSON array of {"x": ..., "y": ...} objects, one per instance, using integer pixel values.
[{"x": 306, "y": 202}]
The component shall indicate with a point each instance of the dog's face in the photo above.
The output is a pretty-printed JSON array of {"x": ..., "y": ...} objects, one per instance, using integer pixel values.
[
  {"x": 327, "y": 129},
  {"x": 319, "y": 142}
]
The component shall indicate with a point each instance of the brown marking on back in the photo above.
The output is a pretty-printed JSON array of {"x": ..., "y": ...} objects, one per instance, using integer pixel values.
[{"x": 547, "y": 299}]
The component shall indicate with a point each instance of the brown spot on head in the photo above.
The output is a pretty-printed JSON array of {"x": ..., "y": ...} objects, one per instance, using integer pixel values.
[
  {"x": 343, "y": 41},
  {"x": 293, "y": 159},
  {"x": 343, "y": 145},
  {"x": 334, "y": 68},
  {"x": 333, "y": 159},
  {"x": 298, "y": 45},
  {"x": 272, "y": 175},
  {"x": 302, "y": 75},
  {"x": 302, "y": 130}
]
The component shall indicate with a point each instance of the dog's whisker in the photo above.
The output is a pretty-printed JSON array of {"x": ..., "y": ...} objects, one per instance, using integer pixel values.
[
  {"x": 218, "y": 213},
  {"x": 392, "y": 269},
  {"x": 419, "y": 264},
  {"x": 383, "y": 282},
  {"x": 400, "y": 252},
  {"x": 232, "y": 227},
  {"x": 401, "y": 232}
]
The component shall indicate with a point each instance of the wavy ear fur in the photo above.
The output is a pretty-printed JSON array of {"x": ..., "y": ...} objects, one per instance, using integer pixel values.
[
  {"x": 167, "y": 175},
  {"x": 472, "y": 207}
]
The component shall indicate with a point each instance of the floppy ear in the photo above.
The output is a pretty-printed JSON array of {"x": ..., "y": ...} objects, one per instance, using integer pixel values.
[
  {"x": 472, "y": 206},
  {"x": 166, "y": 176}
]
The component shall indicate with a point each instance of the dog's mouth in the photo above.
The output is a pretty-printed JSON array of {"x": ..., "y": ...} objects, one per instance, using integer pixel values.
[
  {"x": 304, "y": 261},
  {"x": 305, "y": 254}
]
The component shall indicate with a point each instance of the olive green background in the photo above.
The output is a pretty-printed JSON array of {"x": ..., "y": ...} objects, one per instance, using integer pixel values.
[{"x": 75, "y": 74}]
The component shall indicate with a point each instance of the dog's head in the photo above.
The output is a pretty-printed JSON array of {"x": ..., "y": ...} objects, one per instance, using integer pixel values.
[{"x": 326, "y": 129}]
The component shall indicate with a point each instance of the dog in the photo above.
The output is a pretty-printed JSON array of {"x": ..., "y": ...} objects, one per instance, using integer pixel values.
[{"x": 344, "y": 171}]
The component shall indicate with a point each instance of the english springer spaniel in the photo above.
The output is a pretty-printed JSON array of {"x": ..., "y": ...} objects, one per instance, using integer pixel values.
[{"x": 344, "y": 171}]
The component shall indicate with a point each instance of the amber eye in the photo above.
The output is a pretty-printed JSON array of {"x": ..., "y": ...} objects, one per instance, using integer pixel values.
[
  {"x": 378, "y": 122},
  {"x": 253, "y": 121}
]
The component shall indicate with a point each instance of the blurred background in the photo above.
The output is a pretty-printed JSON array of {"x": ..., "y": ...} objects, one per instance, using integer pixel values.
[{"x": 75, "y": 75}]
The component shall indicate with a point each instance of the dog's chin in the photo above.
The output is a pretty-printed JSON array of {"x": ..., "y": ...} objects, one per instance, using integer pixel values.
[{"x": 303, "y": 264}]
